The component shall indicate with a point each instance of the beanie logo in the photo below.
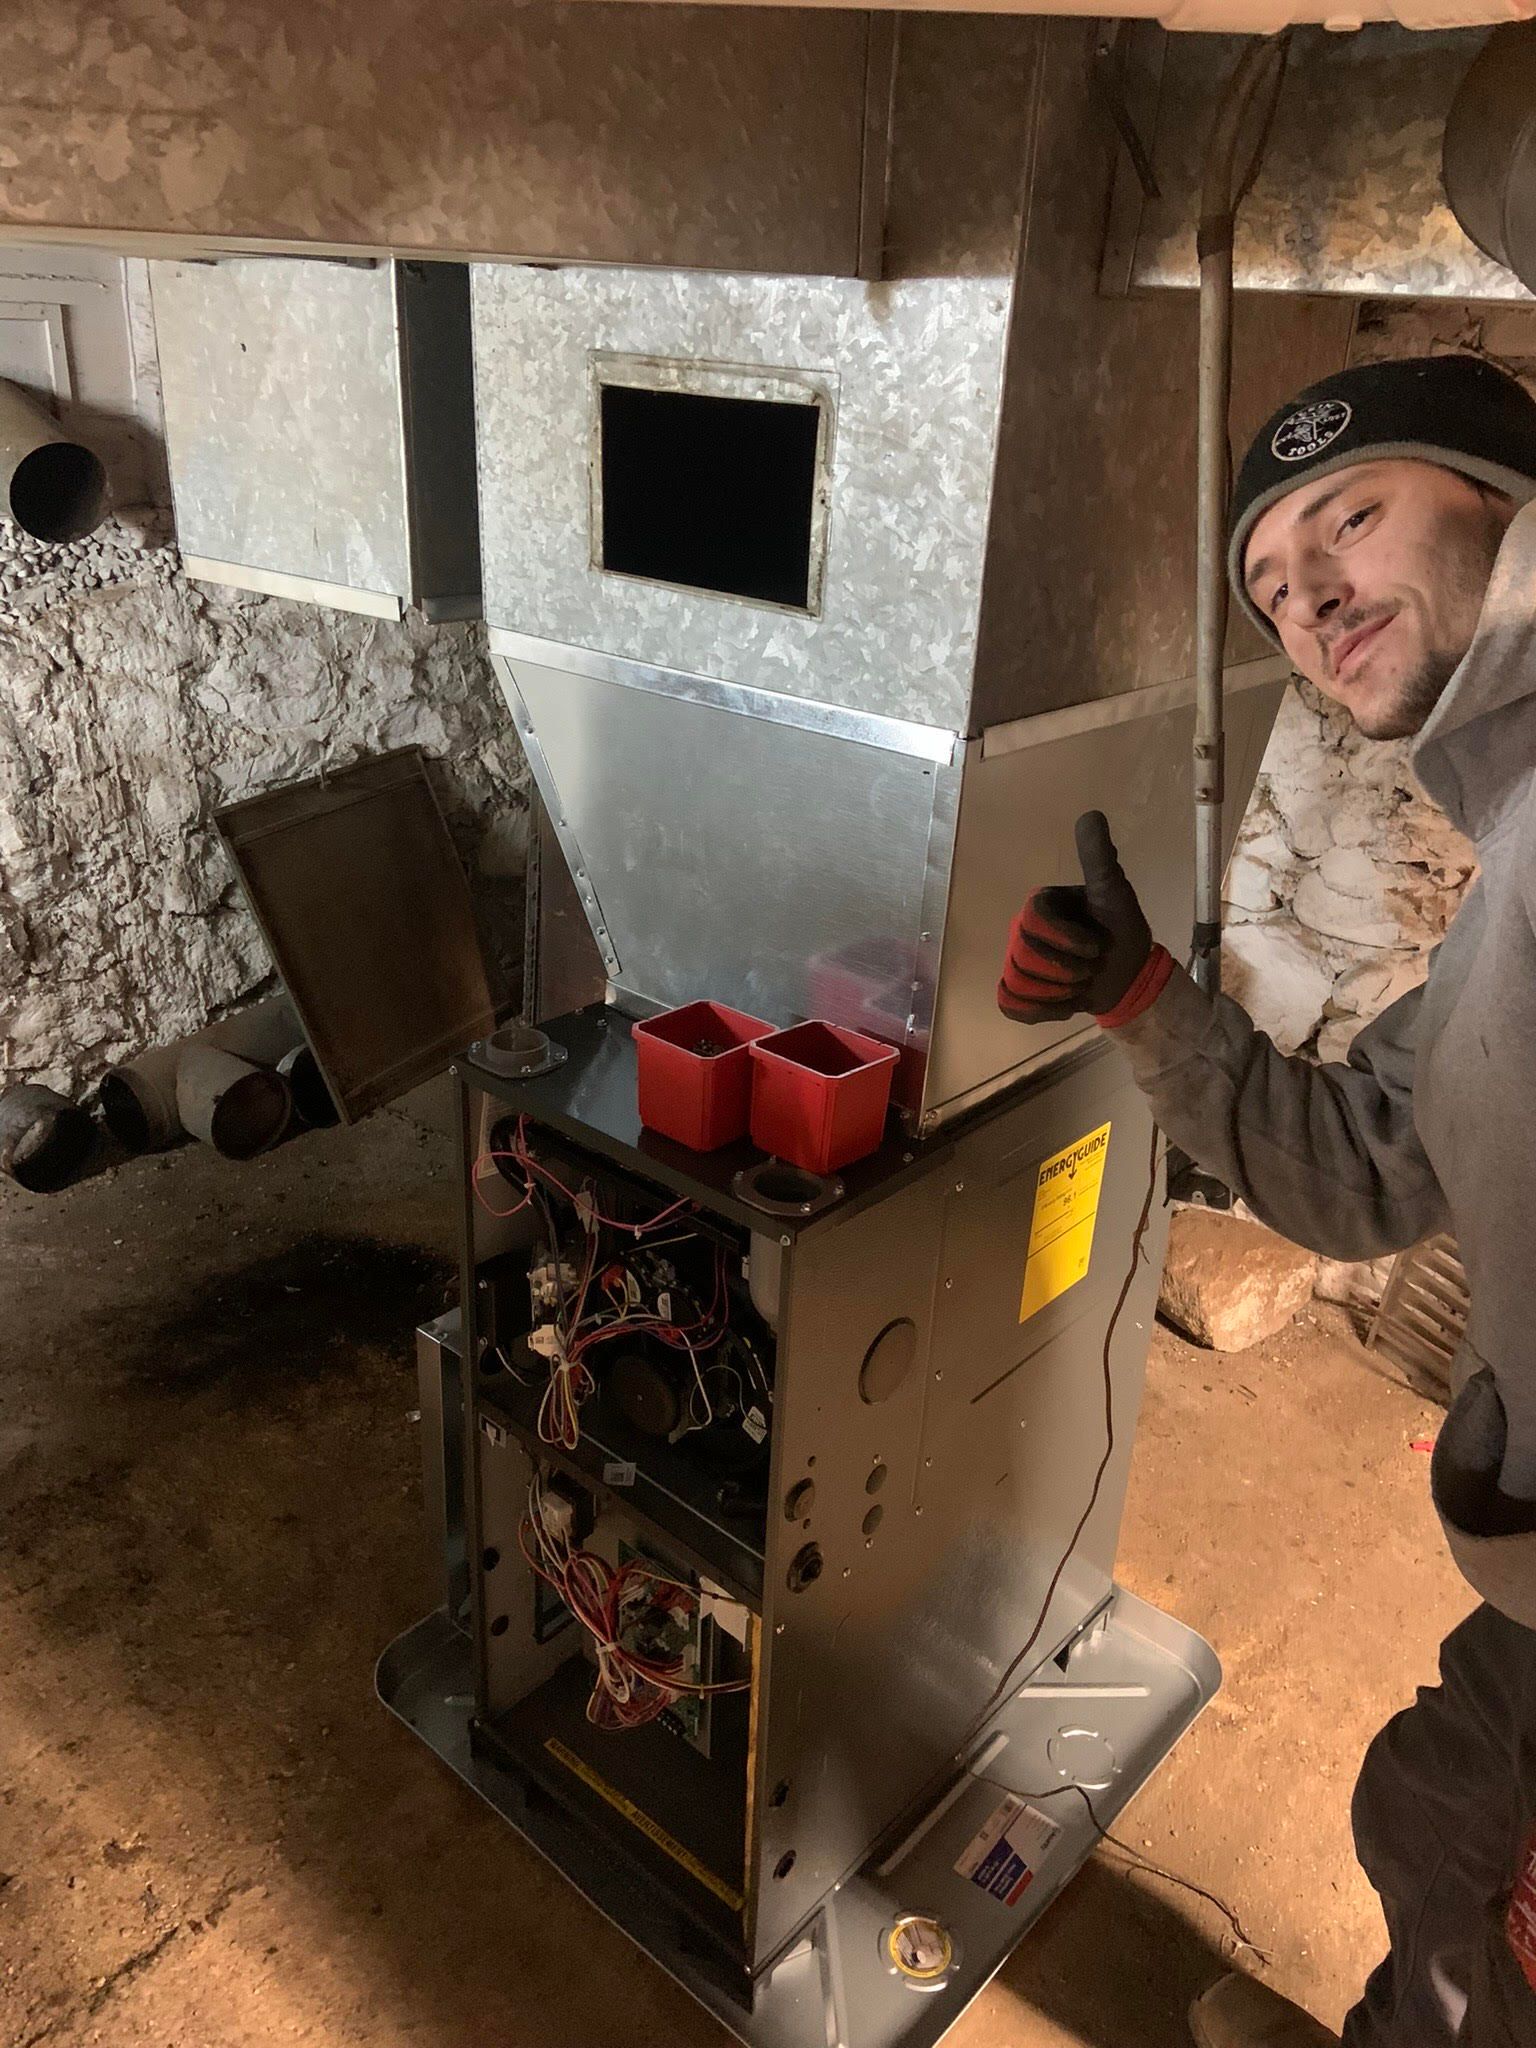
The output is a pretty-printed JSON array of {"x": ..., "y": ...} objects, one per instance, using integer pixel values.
[{"x": 1310, "y": 429}]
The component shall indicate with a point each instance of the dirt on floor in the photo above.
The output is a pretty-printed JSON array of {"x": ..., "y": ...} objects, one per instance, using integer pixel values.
[{"x": 212, "y": 1836}]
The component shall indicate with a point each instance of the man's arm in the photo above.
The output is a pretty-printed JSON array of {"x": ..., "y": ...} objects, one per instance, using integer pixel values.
[{"x": 1328, "y": 1155}]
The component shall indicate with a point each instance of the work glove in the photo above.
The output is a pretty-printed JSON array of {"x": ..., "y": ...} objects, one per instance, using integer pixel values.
[{"x": 1083, "y": 949}]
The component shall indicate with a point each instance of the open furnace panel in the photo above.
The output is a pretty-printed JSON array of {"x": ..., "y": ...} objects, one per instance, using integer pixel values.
[{"x": 625, "y": 1414}]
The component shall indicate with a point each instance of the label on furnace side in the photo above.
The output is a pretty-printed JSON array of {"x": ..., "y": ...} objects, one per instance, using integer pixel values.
[{"x": 1061, "y": 1227}]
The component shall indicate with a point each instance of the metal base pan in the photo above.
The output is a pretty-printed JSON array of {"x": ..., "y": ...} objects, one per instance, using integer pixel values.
[{"x": 1133, "y": 1682}]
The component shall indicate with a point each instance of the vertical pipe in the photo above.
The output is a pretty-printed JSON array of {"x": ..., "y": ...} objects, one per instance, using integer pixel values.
[{"x": 1262, "y": 61}]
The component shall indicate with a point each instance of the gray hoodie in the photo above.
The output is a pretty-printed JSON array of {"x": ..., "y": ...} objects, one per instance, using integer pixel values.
[{"x": 1431, "y": 1122}]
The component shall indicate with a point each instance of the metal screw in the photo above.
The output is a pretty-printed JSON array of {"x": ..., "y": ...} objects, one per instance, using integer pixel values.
[
  {"x": 938, "y": 1375},
  {"x": 906, "y": 1157},
  {"x": 917, "y": 1511},
  {"x": 847, "y": 1571},
  {"x": 959, "y": 1187},
  {"x": 869, "y": 1542},
  {"x": 778, "y": 1628},
  {"x": 949, "y": 1283},
  {"x": 927, "y": 1461}
]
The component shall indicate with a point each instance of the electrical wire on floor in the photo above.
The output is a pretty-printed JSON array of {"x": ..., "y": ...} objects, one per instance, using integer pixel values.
[{"x": 1137, "y": 1861}]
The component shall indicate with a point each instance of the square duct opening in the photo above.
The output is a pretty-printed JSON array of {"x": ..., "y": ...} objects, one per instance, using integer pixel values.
[{"x": 711, "y": 492}]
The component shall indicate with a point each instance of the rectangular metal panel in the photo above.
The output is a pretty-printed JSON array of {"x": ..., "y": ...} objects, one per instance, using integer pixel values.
[
  {"x": 611, "y": 134},
  {"x": 1021, "y": 796},
  {"x": 283, "y": 417},
  {"x": 878, "y": 1671},
  {"x": 440, "y": 1393},
  {"x": 727, "y": 854},
  {"x": 357, "y": 888},
  {"x": 911, "y": 375}
]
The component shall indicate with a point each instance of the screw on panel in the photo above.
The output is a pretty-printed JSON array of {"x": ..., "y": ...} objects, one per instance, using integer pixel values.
[
  {"x": 949, "y": 1283},
  {"x": 959, "y": 1187},
  {"x": 939, "y": 1375}
]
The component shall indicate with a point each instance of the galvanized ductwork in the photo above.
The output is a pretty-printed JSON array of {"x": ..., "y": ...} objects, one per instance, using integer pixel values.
[
  {"x": 51, "y": 486},
  {"x": 1490, "y": 151}
]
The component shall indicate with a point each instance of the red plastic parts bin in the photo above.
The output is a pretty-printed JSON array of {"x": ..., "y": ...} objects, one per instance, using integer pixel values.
[
  {"x": 819, "y": 1094},
  {"x": 696, "y": 1073}
]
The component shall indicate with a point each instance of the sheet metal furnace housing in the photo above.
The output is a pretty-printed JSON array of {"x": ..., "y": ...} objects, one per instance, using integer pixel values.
[{"x": 823, "y": 606}]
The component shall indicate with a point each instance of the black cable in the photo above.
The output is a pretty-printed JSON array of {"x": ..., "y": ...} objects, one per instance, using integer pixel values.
[
  {"x": 1006, "y": 1681},
  {"x": 1140, "y": 1862}
]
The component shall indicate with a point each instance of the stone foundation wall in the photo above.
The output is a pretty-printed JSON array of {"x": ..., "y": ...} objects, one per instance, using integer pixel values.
[{"x": 133, "y": 703}]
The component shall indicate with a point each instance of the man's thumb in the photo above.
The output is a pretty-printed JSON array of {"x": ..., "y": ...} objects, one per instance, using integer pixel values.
[{"x": 1096, "y": 852}]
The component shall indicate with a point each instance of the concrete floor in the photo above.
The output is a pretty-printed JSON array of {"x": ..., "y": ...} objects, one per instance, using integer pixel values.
[{"x": 212, "y": 1837}]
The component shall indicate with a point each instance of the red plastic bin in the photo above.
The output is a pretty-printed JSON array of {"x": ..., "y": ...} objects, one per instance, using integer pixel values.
[
  {"x": 700, "y": 1097},
  {"x": 820, "y": 1094}
]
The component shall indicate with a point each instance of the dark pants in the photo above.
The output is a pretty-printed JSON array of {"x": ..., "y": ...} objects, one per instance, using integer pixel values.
[{"x": 1444, "y": 1814}]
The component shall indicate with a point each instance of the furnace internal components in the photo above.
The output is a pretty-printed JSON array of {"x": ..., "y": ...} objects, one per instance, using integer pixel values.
[{"x": 639, "y": 1326}]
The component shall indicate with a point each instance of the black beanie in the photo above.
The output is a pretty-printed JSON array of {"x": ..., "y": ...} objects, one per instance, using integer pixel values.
[{"x": 1456, "y": 410}]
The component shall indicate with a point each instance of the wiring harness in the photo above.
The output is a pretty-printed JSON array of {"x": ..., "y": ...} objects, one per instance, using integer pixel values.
[{"x": 619, "y": 1606}]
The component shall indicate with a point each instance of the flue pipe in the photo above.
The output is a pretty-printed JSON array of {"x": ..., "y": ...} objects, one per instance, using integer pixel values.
[
  {"x": 52, "y": 487},
  {"x": 44, "y": 1139},
  {"x": 1260, "y": 66},
  {"x": 138, "y": 1099},
  {"x": 238, "y": 1109}
]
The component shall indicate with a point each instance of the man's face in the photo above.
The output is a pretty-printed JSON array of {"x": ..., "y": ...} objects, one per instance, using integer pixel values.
[{"x": 1374, "y": 578}]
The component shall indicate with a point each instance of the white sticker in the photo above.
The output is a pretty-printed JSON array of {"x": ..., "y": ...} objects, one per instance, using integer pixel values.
[
  {"x": 754, "y": 1425},
  {"x": 1004, "y": 1857},
  {"x": 619, "y": 1472}
]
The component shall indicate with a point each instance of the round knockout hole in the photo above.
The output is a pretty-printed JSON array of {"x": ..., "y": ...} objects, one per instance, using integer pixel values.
[
  {"x": 872, "y": 1520},
  {"x": 785, "y": 1864},
  {"x": 499, "y": 1625},
  {"x": 779, "y": 1793},
  {"x": 490, "y": 1558},
  {"x": 806, "y": 1567},
  {"x": 875, "y": 1480}
]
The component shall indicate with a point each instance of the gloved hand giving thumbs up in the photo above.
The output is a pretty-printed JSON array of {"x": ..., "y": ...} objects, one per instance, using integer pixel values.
[{"x": 1089, "y": 949}]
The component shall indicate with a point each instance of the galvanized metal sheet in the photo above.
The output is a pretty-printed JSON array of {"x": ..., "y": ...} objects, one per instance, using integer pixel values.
[
  {"x": 360, "y": 895},
  {"x": 1021, "y": 798},
  {"x": 912, "y": 374},
  {"x": 1349, "y": 197},
  {"x": 283, "y": 417},
  {"x": 724, "y": 854}
]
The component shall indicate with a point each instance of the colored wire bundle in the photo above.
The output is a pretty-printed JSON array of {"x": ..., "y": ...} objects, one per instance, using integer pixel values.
[
  {"x": 610, "y": 1601},
  {"x": 576, "y": 1330}
]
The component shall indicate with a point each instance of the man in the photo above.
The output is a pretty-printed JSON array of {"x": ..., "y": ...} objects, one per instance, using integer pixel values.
[{"x": 1383, "y": 532}]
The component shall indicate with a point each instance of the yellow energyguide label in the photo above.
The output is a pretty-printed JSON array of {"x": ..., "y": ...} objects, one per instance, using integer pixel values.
[
  {"x": 639, "y": 1818},
  {"x": 1061, "y": 1229}
]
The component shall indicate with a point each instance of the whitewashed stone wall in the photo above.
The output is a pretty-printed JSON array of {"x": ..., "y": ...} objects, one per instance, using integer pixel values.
[
  {"x": 1345, "y": 876},
  {"x": 132, "y": 704}
]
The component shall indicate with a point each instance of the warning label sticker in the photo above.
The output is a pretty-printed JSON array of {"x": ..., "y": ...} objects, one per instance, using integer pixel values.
[
  {"x": 1004, "y": 1857},
  {"x": 1061, "y": 1229}
]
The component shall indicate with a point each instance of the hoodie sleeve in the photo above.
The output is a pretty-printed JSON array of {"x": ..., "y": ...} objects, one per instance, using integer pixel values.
[{"x": 1326, "y": 1155}]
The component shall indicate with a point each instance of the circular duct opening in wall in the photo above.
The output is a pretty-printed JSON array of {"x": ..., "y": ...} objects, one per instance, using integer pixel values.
[{"x": 58, "y": 492}]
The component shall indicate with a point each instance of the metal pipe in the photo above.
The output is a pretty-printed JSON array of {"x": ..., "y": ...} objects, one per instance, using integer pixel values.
[
  {"x": 44, "y": 1139},
  {"x": 138, "y": 1098},
  {"x": 51, "y": 486},
  {"x": 237, "y": 1108},
  {"x": 1262, "y": 64}
]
